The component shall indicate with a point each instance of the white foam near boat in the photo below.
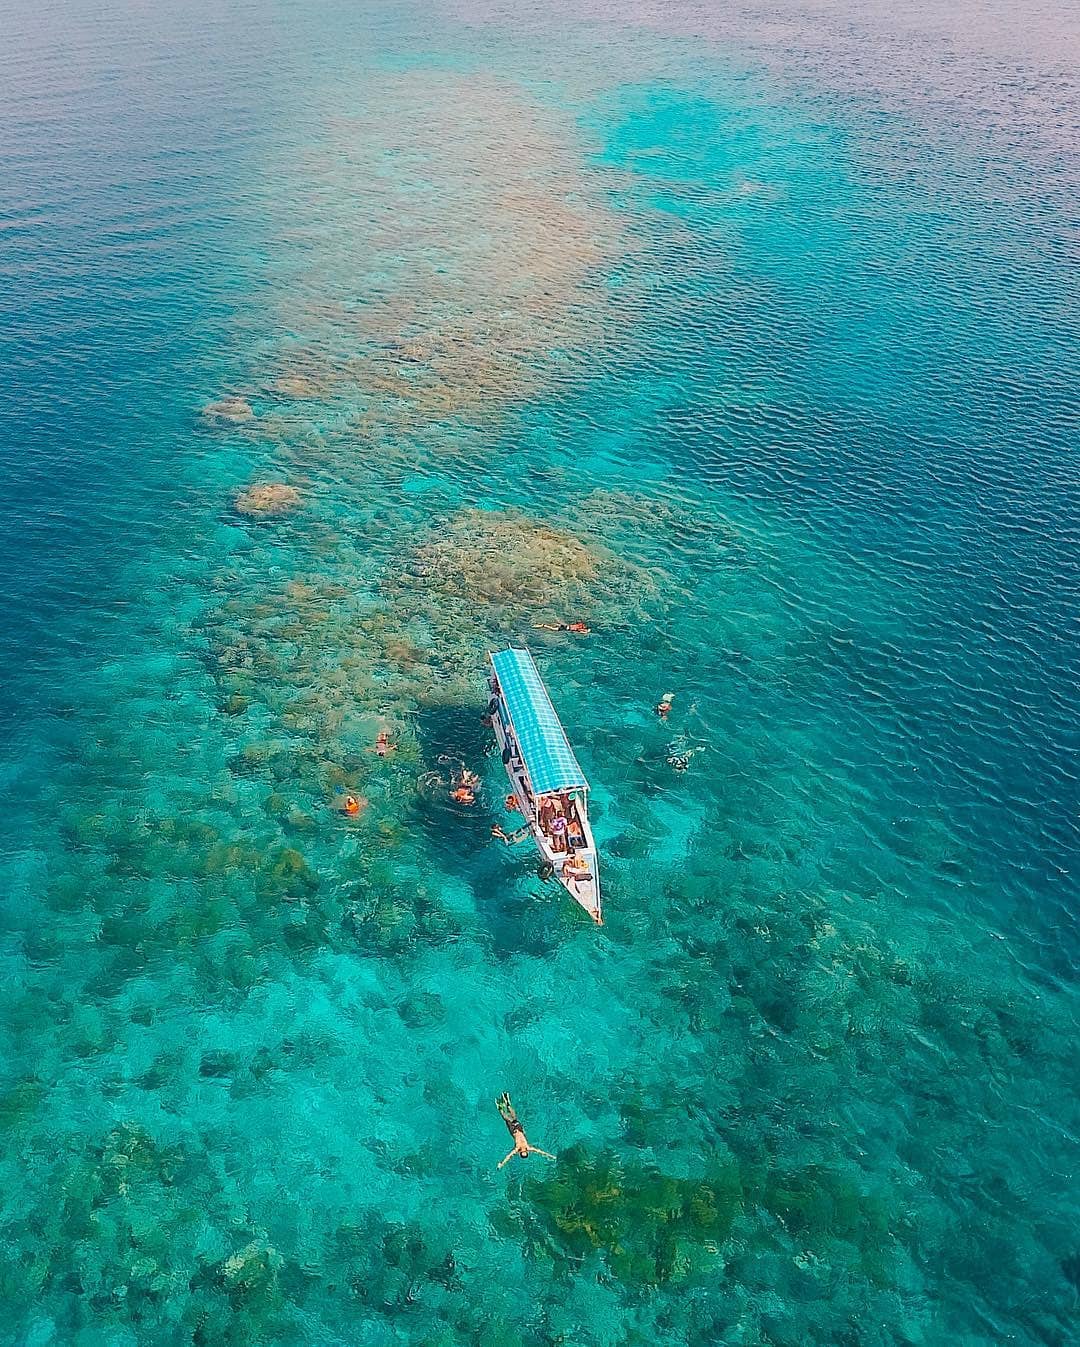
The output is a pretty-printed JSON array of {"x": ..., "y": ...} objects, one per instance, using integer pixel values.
[{"x": 549, "y": 787}]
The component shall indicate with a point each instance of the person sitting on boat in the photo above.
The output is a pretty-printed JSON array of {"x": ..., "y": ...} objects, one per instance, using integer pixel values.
[
  {"x": 575, "y": 867},
  {"x": 558, "y": 828},
  {"x": 521, "y": 1142}
]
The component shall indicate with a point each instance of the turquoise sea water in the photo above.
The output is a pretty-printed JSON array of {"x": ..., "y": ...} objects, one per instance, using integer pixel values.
[{"x": 748, "y": 336}]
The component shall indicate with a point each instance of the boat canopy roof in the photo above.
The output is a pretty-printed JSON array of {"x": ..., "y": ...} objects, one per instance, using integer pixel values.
[{"x": 545, "y": 750}]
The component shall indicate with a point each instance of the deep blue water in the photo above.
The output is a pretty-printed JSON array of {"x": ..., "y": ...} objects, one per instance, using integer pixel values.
[{"x": 749, "y": 337}]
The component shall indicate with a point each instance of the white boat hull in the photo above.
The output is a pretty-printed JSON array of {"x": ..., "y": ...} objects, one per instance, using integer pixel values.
[{"x": 583, "y": 884}]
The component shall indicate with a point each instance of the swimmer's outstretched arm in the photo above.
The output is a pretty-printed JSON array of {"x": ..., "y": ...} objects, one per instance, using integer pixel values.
[
  {"x": 507, "y": 1157},
  {"x": 509, "y": 838},
  {"x": 535, "y": 1150}
]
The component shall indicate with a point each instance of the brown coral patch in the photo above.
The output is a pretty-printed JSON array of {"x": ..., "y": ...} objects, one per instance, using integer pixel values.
[
  {"x": 484, "y": 274},
  {"x": 298, "y": 386},
  {"x": 229, "y": 411},
  {"x": 502, "y": 557},
  {"x": 267, "y": 498}
]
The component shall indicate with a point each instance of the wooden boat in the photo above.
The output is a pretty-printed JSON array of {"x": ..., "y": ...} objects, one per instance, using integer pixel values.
[{"x": 549, "y": 788}]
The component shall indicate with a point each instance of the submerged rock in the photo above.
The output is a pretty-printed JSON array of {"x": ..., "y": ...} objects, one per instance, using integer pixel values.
[
  {"x": 296, "y": 386},
  {"x": 229, "y": 410},
  {"x": 267, "y": 498},
  {"x": 285, "y": 874},
  {"x": 252, "y": 1269}
]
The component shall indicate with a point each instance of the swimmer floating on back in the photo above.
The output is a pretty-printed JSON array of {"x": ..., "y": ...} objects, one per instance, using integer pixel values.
[
  {"x": 521, "y": 1143},
  {"x": 663, "y": 706},
  {"x": 383, "y": 746},
  {"x": 578, "y": 628}
]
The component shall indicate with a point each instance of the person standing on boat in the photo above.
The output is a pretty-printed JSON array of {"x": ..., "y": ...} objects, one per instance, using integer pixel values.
[
  {"x": 558, "y": 828},
  {"x": 575, "y": 834},
  {"x": 521, "y": 1142}
]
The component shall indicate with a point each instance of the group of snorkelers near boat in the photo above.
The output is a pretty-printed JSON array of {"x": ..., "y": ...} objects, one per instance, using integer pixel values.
[{"x": 558, "y": 819}]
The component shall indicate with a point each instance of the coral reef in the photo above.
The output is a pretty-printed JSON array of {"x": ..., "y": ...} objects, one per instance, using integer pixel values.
[
  {"x": 229, "y": 411},
  {"x": 267, "y": 498},
  {"x": 472, "y": 316},
  {"x": 298, "y": 386},
  {"x": 249, "y": 1045},
  {"x": 502, "y": 557},
  {"x": 652, "y": 1227}
]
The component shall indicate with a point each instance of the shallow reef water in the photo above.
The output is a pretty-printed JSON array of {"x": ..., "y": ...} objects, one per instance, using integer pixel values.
[{"x": 349, "y": 343}]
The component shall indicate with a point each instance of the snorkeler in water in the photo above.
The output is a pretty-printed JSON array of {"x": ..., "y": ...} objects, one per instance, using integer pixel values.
[
  {"x": 578, "y": 628},
  {"x": 463, "y": 786},
  {"x": 509, "y": 838},
  {"x": 679, "y": 753},
  {"x": 521, "y": 1143}
]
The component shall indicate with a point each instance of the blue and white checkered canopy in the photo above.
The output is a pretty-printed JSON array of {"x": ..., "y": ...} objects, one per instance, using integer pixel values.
[{"x": 545, "y": 750}]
